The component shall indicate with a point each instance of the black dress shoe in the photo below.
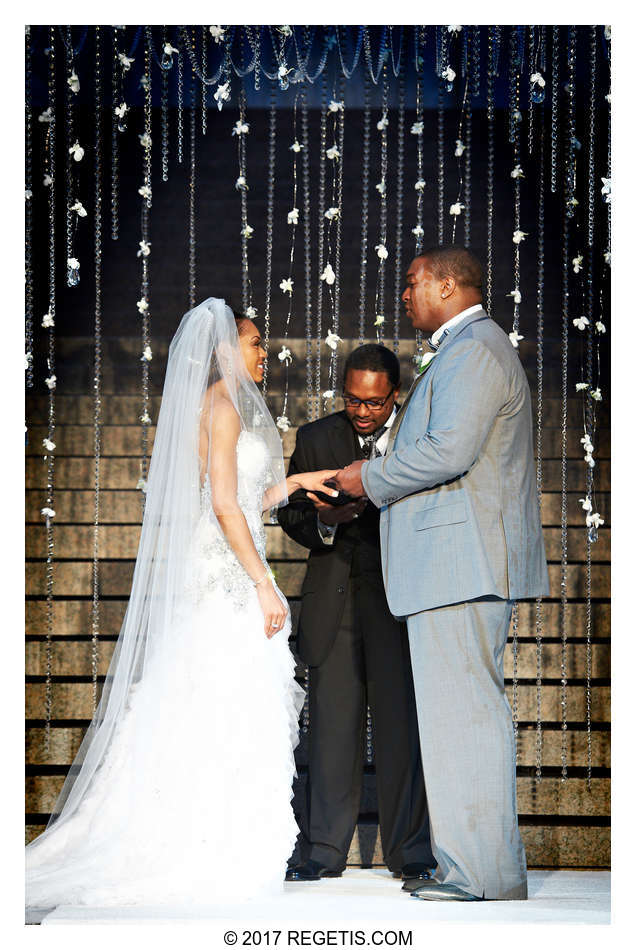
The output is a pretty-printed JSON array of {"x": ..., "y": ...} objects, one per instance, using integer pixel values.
[
  {"x": 432, "y": 891},
  {"x": 311, "y": 871},
  {"x": 417, "y": 871}
]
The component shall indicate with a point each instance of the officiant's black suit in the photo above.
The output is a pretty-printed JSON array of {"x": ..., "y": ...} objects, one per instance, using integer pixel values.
[{"x": 357, "y": 652}]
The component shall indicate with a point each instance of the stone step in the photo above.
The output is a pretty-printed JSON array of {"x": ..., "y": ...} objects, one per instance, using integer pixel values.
[{"x": 122, "y": 541}]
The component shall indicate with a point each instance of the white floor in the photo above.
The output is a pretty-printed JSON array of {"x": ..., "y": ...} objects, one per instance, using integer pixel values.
[{"x": 370, "y": 896}]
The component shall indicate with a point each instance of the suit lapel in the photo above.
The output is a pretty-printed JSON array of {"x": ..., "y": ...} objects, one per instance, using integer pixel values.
[{"x": 343, "y": 442}]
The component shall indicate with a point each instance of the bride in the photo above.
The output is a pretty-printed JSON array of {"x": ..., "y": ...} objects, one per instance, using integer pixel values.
[{"x": 187, "y": 766}]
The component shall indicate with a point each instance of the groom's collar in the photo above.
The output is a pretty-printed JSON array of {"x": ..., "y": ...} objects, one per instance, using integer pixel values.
[
  {"x": 466, "y": 317},
  {"x": 446, "y": 327}
]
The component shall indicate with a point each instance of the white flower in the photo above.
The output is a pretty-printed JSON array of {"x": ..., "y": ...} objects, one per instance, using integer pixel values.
[
  {"x": 292, "y": 216},
  {"x": 169, "y": 49},
  {"x": 48, "y": 512},
  {"x": 46, "y": 116},
  {"x": 333, "y": 153},
  {"x": 241, "y": 128},
  {"x": 145, "y": 191},
  {"x": 332, "y": 340},
  {"x": 73, "y": 82},
  {"x": 590, "y": 461},
  {"x": 51, "y": 381},
  {"x": 519, "y": 236},
  {"x": 381, "y": 187},
  {"x": 144, "y": 81},
  {"x": 218, "y": 33},
  {"x": 514, "y": 338},
  {"x": 282, "y": 71},
  {"x": 537, "y": 80},
  {"x": 448, "y": 74},
  {"x": 145, "y": 141},
  {"x": 600, "y": 326},
  {"x": 145, "y": 419},
  {"x": 285, "y": 355},
  {"x": 596, "y": 394},
  {"x": 418, "y": 230},
  {"x": 586, "y": 442},
  {"x": 47, "y": 180},
  {"x": 286, "y": 285},
  {"x": 336, "y": 106},
  {"x": 515, "y": 294},
  {"x": 142, "y": 484},
  {"x": 296, "y": 147},
  {"x": 283, "y": 423},
  {"x": 517, "y": 172},
  {"x": 577, "y": 263},
  {"x": 73, "y": 263},
  {"x": 328, "y": 394},
  {"x": 383, "y": 123},
  {"x": 241, "y": 183},
  {"x": 247, "y": 231},
  {"x": 608, "y": 32},
  {"x": 328, "y": 275},
  {"x": 606, "y": 190},
  {"x": 332, "y": 213},
  {"x": 608, "y": 98},
  {"x": 48, "y": 321},
  {"x": 48, "y": 445},
  {"x": 453, "y": 29},
  {"x": 516, "y": 115},
  {"x": 76, "y": 151},
  {"x": 144, "y": 248},
  {"x": 457, "y": 208},
  {"x": 125, "y": 61},
  {"x": 251, "y": 312},
  {"x": 459, "y": 148},
  {"x": 28, "y": 359},
  {"x": 417, "y": 128},
  {"x": 581, "y": 323},
  {"x": 142, "y": 305},
  {"x": 79, "y": 207},
  {"x": 379, "y": 320},
  {"x": 572, "y": 202},
  {"x": 285, "y": 30},
  {"x": 422, "y": 361},
  {"x": 607, "y": 257},
  {"x": 28, "y": 194},
  {"x": 594, "y": 519},
  {"x": 222, "y": 94},
  {"x": 420, "y": 184},
  {"x": 586, "y": 503},
  {"x": 581, "y": 386},
  {"x": 147, "y": 354},
  {"x": 381, "y": 252}
]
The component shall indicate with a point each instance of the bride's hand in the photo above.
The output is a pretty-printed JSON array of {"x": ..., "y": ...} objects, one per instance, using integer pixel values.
[
  {"x": 274, "y": 612},
  {"x": 315, "y": 481}
]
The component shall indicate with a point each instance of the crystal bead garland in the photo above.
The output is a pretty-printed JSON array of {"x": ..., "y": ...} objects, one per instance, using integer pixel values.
[
  {"x": 28, "y": 229},
  {"x": 97, "y": 363},
  {"x": 399, "y": 212},
  {"x": 417, "y": 129},
  {"x": 321, "y": 237},
  {"x": 539, "y": 430},
  {"x": 287, "y": 284},
  {"x": 468, "y": 136},
  {"x": 368, "y": 744},
  {"x": 269, "y": 233},
  {"x": 555, "y": 110},
  {"x": 192, "y": 237},
  {"x": 440, "y": 160},
  {"x": 116, "y": 123},
  {"x": 73, "y": 206},
  {"x": 339, "y": 193},
  {"x": 180, "y": 110},
  {"x": 531, "y": 60},
  {"x": 166, "y": 66},
  {"x": 204, "y": 88},
  {"x": 304, "y": 118},
  {"x": 47, "y": 511},
  {"x": 241, "y": 130},
  {"x": 567, "y": 213},
  {"x": 364, "y": 211},
  {"x": 331, "y": 275},
  {"x": 381, "y": 248},
  {"x": 143, "y": 305},
  {"x": 490, "y": 175},
  {"x": 460, "y": 148}
]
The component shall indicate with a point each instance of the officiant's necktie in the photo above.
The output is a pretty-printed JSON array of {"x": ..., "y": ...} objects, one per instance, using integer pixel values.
[{"x": 369, "y": 447}]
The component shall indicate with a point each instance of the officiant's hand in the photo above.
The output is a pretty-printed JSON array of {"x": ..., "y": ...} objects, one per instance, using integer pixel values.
[
  {"x": 349, "y": 479},
  {"x": 330, "y": 514}
]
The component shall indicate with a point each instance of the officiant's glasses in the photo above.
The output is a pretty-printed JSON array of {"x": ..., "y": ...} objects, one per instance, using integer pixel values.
[{"x": 352, "y": 402}]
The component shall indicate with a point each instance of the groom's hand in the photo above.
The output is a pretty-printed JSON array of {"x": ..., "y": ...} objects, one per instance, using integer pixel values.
[
  {"x": 349, "y": 480},
  {"x": 337, "y": 514}
]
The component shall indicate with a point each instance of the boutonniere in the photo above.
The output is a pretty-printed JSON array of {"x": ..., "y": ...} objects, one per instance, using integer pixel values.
[{"x": 423, "y": 361}]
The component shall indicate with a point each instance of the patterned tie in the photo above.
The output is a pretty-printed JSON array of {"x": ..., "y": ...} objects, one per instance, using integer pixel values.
[
  {"x": 369, "y": 449},
  {"x": 435, "y": 346}
]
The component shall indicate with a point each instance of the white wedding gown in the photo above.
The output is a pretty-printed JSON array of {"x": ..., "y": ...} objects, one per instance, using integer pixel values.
[{"x": 197, "y": 782}]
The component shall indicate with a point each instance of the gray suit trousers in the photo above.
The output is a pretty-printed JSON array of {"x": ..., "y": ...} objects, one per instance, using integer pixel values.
[{"x": 467, "y": 743}]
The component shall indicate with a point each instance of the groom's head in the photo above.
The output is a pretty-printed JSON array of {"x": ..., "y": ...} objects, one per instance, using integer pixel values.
[
  {"x": 371, "y": 386},
  {"x": 441, "y": 282}
]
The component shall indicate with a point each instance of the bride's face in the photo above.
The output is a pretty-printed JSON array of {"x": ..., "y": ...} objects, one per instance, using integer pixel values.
[{"x": 252, "y": 350}]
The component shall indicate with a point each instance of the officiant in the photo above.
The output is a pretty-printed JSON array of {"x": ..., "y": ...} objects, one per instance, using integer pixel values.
[{"x": 356, "y": 650}]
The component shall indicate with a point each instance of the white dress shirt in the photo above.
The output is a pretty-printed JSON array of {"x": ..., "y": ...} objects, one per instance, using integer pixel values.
[{"x": 437, "y": 336}]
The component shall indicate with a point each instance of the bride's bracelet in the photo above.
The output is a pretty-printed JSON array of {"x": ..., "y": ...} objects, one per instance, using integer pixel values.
[{"x": 264, "y": 577}]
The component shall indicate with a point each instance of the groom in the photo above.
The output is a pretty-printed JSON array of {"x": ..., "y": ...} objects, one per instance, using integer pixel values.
[{"x": 461, "y": 540}]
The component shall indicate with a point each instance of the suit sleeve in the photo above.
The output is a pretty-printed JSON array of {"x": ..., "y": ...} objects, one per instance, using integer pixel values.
[
  {"x": 298, "y": 517},
  {"x": 468, "y": 392}
]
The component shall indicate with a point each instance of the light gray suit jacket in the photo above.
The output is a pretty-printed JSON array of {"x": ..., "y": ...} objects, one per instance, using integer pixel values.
[{"x": 457, "y": 487}]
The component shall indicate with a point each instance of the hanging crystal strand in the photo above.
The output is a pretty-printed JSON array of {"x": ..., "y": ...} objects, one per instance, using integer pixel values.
[
  {"x": 539, "y": 450},
  {"x": 192, "y": 243},
  {"x": 475, "y": 60},
  {"x": 338, "y": 194},
  {"x": 307, "y": 234},
  {"x": 241, "y": 130},
  {"x": 368, "y": 744},
  {"x": 97, "y": 363},
  {"x": 364, "y": 215},
  {"x": 417, "y": 129},
  {"x": 468, "y": 138},
  {"x": 166, "y": 65},
  {"x": 399, "y": 213},
  {"x": 116, "y": 104},
  {"x": 180, "y": 110},
  {"x": 72, "y": 152},
  {"x": 271, "y": 177},
  {"x": 204, "y": 88},
  {"x": 555, "y": 109},
  {"x": 460, "y": 147},
  {"x": 381, "y": 248},
  {"x": 287, "y": 284},
  {"x": 440, "y": 160},
  {"x": 321, "y": 235},
  {"x": 143, "y": 305},
  {"x": 47, "y": 511},
  {"x": 490, "y": 186},
  {"x": 28, "y": 214},
  {"x": 567, "y": 212},
  {"x": 531, "y": 59}
]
